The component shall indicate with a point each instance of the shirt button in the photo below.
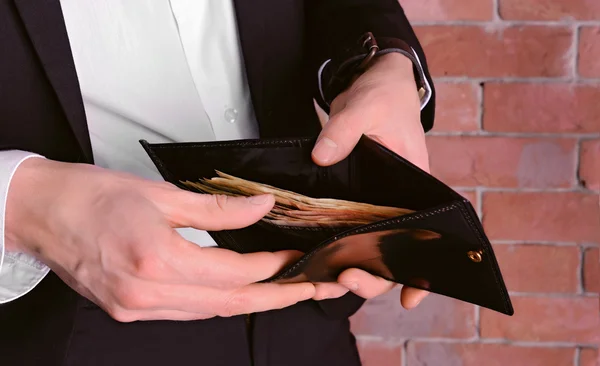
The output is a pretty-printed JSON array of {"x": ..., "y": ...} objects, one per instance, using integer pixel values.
[{"x": 231, "y": 115}]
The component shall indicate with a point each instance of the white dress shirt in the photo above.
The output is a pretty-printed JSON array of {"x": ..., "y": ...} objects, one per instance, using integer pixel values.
[{"x": 160, "y": 70}]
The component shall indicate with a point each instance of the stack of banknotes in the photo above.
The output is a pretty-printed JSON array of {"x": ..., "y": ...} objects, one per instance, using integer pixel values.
[{"x": 293, "y": 209}]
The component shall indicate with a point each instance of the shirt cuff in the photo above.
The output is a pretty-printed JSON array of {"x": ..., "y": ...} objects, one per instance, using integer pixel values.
[{"x": 19, "y": 272}]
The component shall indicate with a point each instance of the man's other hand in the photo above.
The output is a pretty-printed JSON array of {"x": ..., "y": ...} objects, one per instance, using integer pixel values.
[{"x": 383, "y": 104}]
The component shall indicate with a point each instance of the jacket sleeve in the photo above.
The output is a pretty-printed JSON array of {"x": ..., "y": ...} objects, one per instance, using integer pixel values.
[{"x": 334, "y": 26}]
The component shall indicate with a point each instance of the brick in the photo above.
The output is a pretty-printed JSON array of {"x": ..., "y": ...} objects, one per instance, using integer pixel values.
[
  {"x": 547, "y": 107},
  {"x": 566, "y": 217},
  {"x": 503, "y": 161},
  {"x": 419, "y": 10},
  {"x": 436, "y": 316},
  {"x": 589, "y": 164},
  {"x": 545, "y": 319},
  {"x": 539, "y": 268},
  {"x": 589, "y": 357},
  {"x": 549, "y": 9},
  {"x": 589, "y": 51},
  {"x": 476, "y": 354},
  {"x": 496, "y": 51},
  {"x": 379, "y": 353},
  {"x": 591, "y": 270},
  {"x": 457, "y": 107}
]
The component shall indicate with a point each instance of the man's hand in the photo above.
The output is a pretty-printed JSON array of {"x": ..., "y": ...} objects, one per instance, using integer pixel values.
[
  {"x": 111, "y": 237},
  {"x": 383, "y": 103}
]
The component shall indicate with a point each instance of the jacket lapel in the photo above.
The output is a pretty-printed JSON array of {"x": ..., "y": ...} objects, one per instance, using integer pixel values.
[{"x": 44, "y": 23}]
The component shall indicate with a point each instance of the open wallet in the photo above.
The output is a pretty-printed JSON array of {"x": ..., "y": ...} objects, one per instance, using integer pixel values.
[{"x": 394, "y": 220}]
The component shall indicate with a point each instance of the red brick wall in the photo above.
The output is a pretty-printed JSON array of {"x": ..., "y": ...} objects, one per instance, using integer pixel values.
[{"x": 518, "y": 131}]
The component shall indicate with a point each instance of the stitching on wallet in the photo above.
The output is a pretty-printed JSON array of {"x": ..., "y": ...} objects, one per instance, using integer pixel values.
[
  {"x": 303, "y": 228},
  {"x": 367, "y": 228},
  {"x": 158, "y": 161},
  {"x": 485, "y": 245}
]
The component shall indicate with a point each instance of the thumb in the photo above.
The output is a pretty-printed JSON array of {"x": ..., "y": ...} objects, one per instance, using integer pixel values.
[
  {"x": 215, "y": 212},
  {"x": 339, "y": 136}
]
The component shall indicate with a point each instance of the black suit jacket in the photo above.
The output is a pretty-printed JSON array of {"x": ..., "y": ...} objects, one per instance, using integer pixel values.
[{"x": 283, "y": 42}]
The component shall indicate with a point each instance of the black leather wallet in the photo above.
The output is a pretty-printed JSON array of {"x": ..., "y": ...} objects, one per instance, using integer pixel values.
[{"x": 441, "y": 247}]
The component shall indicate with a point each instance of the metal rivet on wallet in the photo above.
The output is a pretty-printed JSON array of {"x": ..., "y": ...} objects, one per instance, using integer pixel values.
[{"x": 475, "y": 256}]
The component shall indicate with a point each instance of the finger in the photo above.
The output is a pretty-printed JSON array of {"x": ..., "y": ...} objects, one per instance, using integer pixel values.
[
  {"x": 411, "y": 297},
  {"x": 329, "y": 290},
  {"x": 223, "y": 268},
  {"x": 206, "y": 300},
  {"x": 214, "y": 212},
  {"x": 341, "y": 134},
  {"x": 268, "y": 296},
  {"x": 364, "y": 284},
  {"x": 131, "y": 316}
]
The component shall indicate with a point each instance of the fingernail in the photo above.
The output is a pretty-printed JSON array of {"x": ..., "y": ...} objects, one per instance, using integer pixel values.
[
  {"x": 419, "y": 301},
  {"x": 325, "y": 150},
  {"x": 259, "y": 200}
]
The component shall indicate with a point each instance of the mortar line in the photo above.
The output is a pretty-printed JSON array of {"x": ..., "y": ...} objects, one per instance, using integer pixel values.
[
  {"x": 580, "y": 270},
  {"x": 589, "y": 245},
  {"x": 537, "y": 190},
  {"x": 575, "y": 50},
  {"x": 555, "y": 135},
  {"x": 465, "y": 189},
  {"x": 577, "y": 357},
  {"x": 404, "y": 354},
  {"x": 511, "y": 189},
  {"x": 556, "y": 295},
  {"x": 479, "y": 203},
  {"x": 478, "y": 322},
  {"x": 517, "y": 79},
  {"x": 506, "y": 23},
  {"x": 534, "y": 242},
  {"x": 574, "y": 189},
  {"x": 586, "y": 138},
  {"x": 577, "y": 164},
  {"x": 593, "y": 295},
  {"x": 480, "y": 112},
  {"x": 496, "y": 11},
  {"x": 371, "y": 338},
  {"x": 474, "y": 340}
]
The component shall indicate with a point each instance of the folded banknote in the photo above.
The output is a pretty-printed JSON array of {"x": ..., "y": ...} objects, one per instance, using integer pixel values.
[{"x": 293, "y": 209}]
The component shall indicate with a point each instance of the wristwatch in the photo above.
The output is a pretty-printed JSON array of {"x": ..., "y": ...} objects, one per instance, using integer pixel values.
[{"x": 336, "y": 74}]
